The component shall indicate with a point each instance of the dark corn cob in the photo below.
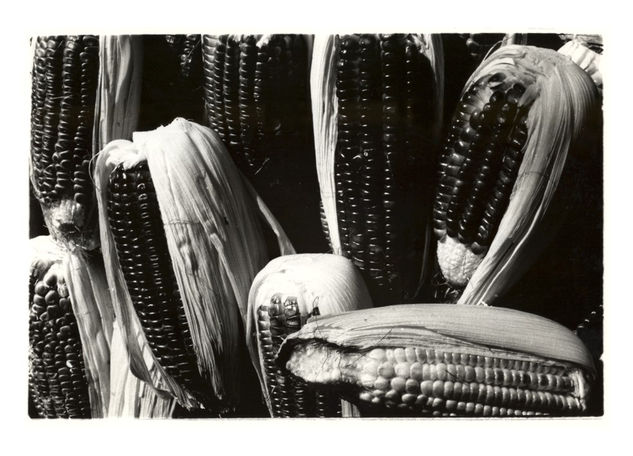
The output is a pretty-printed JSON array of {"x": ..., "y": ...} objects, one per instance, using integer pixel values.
[
  {"x": 501, "y": 126},
  {"x": 444, "y": 361},
  {"x": 383, "y": 160},
  {"x": 142, "y": 250},
  {"x": 257, "y": 101},
  {"x": 325, "y": 284},
  {"x": 65, "y": 72},
  {"x": 463, "y": 54},
  {"x": 57, "y": 380},
  {"x": 172, "y": 80},
  {"x": 256, "y": 95},
  {"x": 183, "y": 241}
]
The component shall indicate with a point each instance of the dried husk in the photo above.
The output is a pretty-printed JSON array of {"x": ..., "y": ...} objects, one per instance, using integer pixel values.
[{"x": 579, "y": 51}]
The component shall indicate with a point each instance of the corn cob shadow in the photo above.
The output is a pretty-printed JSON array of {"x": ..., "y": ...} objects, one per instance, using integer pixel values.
[
  {"x": 257, "y": 100},
  {"x": 440, "y": 360}
]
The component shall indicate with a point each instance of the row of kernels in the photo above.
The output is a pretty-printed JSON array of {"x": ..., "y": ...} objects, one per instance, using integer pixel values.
[
  {"x": 379, "y": 375},
  {"x": 431, "y": 356}
]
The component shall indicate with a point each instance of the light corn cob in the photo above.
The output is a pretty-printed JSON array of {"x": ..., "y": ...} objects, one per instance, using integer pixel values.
[
  {"x": 284, "y": 294},
  {"x": 520, "y": 125},
  {"x": 182, "y": 243},
  {"x": 377, "y": 110},
  {"x": 70, "y": 324},
  {"x": 74, "y": 78},
  {"x": 443, "y": 360}
]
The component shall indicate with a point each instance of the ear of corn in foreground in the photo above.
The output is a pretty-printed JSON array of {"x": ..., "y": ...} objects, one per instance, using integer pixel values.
[
  {"x": 65, "y": 72},
  {"x": 520, "y": 122},
  {"x": 288, "y": 291},
  {"x": 443, "y": 360},
  {"x": 182, "y": 241},
  {"x": 70, "y": 328},
  {"x": 67, "y": 76},
  {"x": 377, "y": 109}
]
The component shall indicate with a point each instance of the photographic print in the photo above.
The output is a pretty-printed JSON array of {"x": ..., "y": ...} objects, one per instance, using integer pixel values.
[{"x": 325, "y": 226}]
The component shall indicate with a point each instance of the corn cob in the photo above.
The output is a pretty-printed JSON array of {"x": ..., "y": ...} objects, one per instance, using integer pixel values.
[
  {"x": 377, "y": 114},
  {"x": 64, "y": 82},
  {"x": 443, "y": 360},
  {"x": 177, "y": 221},
  {"x": 256, "y": 95},
  {"x": 172, "y": 80},
  {"x": 257, "y": 100},
  {"x": 69, "y": 334},
  {"x": 522, "y": 115},
  {"x": 284, "y": 294},
  {"x": 463, "y": 53},
  {"x": 72, "y": 79}
]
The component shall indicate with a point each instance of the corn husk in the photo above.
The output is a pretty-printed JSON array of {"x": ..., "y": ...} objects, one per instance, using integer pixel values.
[
  {"x": 331, "y": 351},
  {"x": 563, "y": 102},
  {"x": 131, "y": 397},
  {"x": 322, "y": 284},
  {"x": 324, "y": 117},
  {"x": 83, "y": 277},
  {"x": 119, "y": 89},
  {"x": 215, "y": 240},
  {"x": 583, "y": 51}
]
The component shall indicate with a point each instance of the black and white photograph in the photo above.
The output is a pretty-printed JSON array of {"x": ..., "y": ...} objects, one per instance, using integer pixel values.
[
  {"x": 361, "y": 226},
  {"x": 287, "y": 225}
]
